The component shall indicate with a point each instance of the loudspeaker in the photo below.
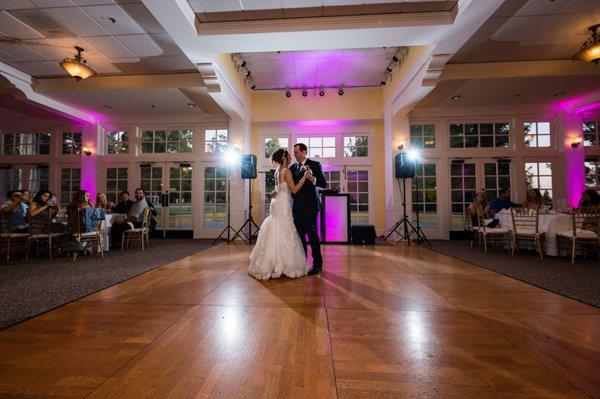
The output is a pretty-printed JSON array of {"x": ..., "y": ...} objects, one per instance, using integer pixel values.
[
  {"x": 248, "y": 162},
  {"x": 363, "y": 234},
  {"x": 405, "y": 167}
]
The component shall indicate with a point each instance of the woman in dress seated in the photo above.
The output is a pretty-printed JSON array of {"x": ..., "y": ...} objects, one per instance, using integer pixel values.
[
  {"x": 44, "y": 208},
  {"x": 481, "y": 201},
  {"x": 81, "y": 209},
  {"x": 102, "y": 202}
]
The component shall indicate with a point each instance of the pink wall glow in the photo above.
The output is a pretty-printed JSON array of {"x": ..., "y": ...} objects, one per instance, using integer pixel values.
[{"x": 574, "y": 158}]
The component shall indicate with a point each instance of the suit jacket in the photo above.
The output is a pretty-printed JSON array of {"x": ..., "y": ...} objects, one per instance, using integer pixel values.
[{"x": 306, "y": 200}]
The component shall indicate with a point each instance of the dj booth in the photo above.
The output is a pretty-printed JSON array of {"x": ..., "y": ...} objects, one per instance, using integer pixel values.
[{"x": 334, "y": 221}]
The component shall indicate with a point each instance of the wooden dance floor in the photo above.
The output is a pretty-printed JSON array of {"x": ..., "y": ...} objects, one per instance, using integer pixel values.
[{"x": 380, "y": 322}]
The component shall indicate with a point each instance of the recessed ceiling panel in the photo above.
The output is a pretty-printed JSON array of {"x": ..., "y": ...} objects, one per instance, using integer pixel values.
[
  {"x": 109, "y": 46},
  {"x": 76, "y": 21},
  {"x": 140, "y": 45},
  {"x": 11, "y": 26},
  {"x": 113, "y": 19},
  {"x": 15, "y": 4}
]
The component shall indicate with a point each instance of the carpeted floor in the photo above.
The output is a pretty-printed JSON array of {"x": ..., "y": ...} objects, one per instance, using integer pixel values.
[
  {"x": 580, "y": 281},
  {"x": 28, "y": 289}
]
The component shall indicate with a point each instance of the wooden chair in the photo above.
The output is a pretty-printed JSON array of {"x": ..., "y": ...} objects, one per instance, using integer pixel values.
[
  {"x": 468, "y": 227},
  {"x": 525, "y": 223},
  {"x": 585, "y": 229},
  {"x": 498, "y": 235},
  {"x": 7, "y": 233},
  {"x": 138, "y": 234},
  {"x": 40, "y": 230},
  {"x": 87, "y": 239}
]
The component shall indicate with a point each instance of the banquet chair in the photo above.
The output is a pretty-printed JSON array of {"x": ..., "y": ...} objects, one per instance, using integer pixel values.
[
  {"x": 525, "y": 223},
  {"x": 585, "y": 229},
  {"x": 468, "y": 227},
  {"x": 496, "y": 235},
  {"x": 40, "y": 230},
  {"x": 86, "y": 239},
  {"x": 7, "y": 233},
  {"x": 138, "y": 234}
]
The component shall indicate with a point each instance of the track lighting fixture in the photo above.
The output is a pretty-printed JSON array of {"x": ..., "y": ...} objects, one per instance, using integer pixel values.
[
  {"x": 304, "y": 92},
  {"x": 340, "y": 92},
  {"x": 288, "y": 92},
  {"x": 321, "y": 91}
]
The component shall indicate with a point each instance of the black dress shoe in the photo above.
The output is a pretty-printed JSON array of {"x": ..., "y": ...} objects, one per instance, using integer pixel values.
[{"x": 314, "y": 270}]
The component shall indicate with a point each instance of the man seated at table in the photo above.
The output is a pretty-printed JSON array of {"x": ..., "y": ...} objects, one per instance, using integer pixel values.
[
  {"x": 134, "y": 218},
  {"x": 502, "y": 202},
  {"x": 124, "y": 205},
  {"x": 16, "y": 207}
]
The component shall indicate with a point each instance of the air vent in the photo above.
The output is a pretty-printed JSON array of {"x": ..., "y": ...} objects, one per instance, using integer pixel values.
[{"x": 42, "y": 22}]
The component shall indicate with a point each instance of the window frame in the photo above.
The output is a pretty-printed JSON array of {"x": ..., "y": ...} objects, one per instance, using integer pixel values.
[
  {"x": 166, "y": 142},
  {"x": 218, "y": 150},
  {"x": 128, "y": 142},
  {"x": 536, "y": 135},
  {"x": 344, "y": 136},
  {"x": 76, "y": 148},
  {"x": 478, "y": 135},
  {"x": 33, "y": 144}
]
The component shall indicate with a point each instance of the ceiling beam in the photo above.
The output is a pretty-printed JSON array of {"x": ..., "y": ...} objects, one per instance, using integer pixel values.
[{"x": 518, "y": 69}]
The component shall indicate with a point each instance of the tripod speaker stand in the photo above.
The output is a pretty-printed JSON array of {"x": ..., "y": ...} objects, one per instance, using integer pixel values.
[
  {"x": 225, "y": 234},
  {"x": 248, "y": 238},
  {"x": 404, "y": 228}
]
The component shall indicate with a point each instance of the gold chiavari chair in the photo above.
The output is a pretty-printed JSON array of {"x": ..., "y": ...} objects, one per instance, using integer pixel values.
[
  {"x": 86, "y": 239},
  {"x": 40, "y": 230},
  {"x": 585, "y": 229},
  {"x": 493, "y": 235},
  {"x": 7, "y": 233},
  {"x": 525, "y": 223},
  {"x": 138, "y": 234}
]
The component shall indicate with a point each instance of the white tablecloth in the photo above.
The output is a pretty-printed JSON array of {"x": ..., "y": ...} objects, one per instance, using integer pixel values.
[
  {"x": 550, "y": 224},
  {"x": 105, "y": 228}
]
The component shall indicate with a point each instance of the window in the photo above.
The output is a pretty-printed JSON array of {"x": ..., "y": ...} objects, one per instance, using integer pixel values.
[
  {"x": 537, "y": 134},
  {"x": 424, "y": 195},
  {"x": 483, "y": 135},
  {"x": 272, "y": 144},
  {"x": 319, "y": 147},
  {"x": 11, "y": 178},
  {"x": 215, "y": 197},
  {"x": 216, "y": 141},
  {"x": 358, "y": 187},
  {"x": 70, "y": 182},
  {"x": 463, "y": 185},
  {"x": 269, "y": 187},
  {"x": 422, "y": 136},
  {"x": 39, "y": 179},
  {"x": 591, "y": 133},
  {"x": 166, "y": 141},
  {"x": 356, "y": 146},
  {"x": 497, "y": 176},
  {"x": 26, "y": 143},
  {"x": 116, "y": 181},
  {"x": 539, "y": 175},
  {"x": 592, "y": 174},
  {"x": 118, "y": 142},
  {"x": 333, "y": 179},
  {"x": 71, "y": 143}
]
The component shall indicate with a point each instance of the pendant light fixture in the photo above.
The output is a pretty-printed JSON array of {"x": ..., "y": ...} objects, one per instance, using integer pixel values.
[
  {"x": 77, "y": 66},
  {"x": 590, "y": 50}
]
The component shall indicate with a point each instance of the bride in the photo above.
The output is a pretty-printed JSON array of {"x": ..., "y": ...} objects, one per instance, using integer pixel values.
[{"x": 278, "y": 250}]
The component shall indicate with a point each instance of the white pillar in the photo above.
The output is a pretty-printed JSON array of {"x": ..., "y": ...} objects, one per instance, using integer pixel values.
[{"x": 90, "y": 164}]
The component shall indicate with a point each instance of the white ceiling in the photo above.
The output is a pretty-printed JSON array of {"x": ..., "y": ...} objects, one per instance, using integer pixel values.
[
  {"x": 532, "y": 30},
  {"x": 36, "y": 34},
  {"x": 240, "y": 5},
  {"x": 330, "y": 68}
]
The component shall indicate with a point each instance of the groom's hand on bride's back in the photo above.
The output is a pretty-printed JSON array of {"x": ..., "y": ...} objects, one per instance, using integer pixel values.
[{"x": 273, "y": 194}]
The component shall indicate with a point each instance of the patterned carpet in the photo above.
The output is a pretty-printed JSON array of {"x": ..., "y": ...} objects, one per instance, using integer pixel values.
[
  {"x": 28, "y": 289},
  {"x": 580, "y": 281}
]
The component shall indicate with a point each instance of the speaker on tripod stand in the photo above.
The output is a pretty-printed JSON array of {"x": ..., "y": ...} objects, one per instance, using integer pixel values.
[
  {"x": 249, "y": 172},
  {"x": 405, "y": 167}
]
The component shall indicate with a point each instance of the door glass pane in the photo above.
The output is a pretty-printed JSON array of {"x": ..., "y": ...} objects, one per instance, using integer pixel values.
[
  {"x": 358, "y": 187},
  {"x": 462, "y": 189},
  {"x": 151, "y": 182},
  {"x": 180, "y": 197},
  {"x": 215, "y": 200}
]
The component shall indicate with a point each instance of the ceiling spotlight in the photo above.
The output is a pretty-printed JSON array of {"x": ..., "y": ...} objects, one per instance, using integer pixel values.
[
  {"x": 590, "y": 49},
  {"x": 248, "y": 74},
  {"x": 322, "y": 91},
  {"x": 340, "y": 92},
  {"x": 76, "y": 66},
  {"x": 107, "y": 107},
  {"x": 288, "y": 92},
  {"x": 243, "y": 65},
  {"x": 382, "y": 82},
  {"x": 395, "y": 58},
  {"x": 304, "y": 92},
  {"x": 253, "y": 86},
  {"x": 191, "y": 105},
  {"x": 455, "y": 98}
]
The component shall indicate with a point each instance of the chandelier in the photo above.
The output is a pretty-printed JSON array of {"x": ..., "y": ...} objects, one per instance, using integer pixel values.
[
  {"x": 590, "y": 50},
  {"x": 76, "y": 67}
]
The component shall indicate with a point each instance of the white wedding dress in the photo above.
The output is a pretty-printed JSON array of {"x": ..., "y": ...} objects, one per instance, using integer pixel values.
[{"x": 278, "y": 250}]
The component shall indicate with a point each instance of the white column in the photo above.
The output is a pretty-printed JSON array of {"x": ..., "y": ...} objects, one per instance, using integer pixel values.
[
  {"x": 570, "y": 131},
  {"x": 90, "y": 164}
]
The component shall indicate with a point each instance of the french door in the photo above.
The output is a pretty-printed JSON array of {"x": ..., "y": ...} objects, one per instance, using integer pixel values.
[
  {"x": 356, "y": 181},
  {"x": 214, "y": 194},
  {"x": 470, "y": 176},
  {"x": 169, "y": 187}
]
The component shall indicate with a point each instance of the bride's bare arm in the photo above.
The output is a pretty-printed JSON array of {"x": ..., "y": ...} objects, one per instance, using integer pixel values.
[{"x": 290, "y": 182}]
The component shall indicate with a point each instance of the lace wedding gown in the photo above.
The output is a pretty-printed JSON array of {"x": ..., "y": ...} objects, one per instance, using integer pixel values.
[{"x": 278, "y": 250}]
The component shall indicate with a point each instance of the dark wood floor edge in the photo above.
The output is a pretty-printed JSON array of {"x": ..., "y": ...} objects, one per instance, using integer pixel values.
[
  {"x": 100, "y": 289},
  {"x": 481, "y": 319},
  {"x": 514, "y": 278}
]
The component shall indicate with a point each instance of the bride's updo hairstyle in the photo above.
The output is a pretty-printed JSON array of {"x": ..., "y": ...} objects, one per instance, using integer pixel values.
[{"x": 279, "y": 156}]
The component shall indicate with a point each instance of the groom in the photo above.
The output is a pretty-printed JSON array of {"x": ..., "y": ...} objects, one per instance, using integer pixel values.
[{"x": 306, "y": 203}]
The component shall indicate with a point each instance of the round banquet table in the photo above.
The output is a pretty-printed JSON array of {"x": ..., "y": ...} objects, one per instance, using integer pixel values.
[{"x": 549, "y": 224}]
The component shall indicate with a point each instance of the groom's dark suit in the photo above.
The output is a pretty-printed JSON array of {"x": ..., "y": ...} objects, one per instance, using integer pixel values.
[{"x": 306, "y": 208}]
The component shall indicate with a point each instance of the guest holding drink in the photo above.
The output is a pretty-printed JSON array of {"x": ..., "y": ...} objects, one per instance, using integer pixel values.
[
  {"x": 42, "y": 206},
  {"x": 17, "y": 208}
]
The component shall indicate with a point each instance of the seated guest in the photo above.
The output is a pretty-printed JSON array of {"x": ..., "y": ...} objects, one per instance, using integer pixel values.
[
  {"x": 80, "y": 209},
  {"x": 589, "y": 199},
  {"x": 16, "y": 207},
  {"x": 533, "y": 199},
  {"x": 502, "y": 202},
  {"x": 43, "y": 207},
  {"x": 102, "y": 202},
  {"x": 481, "y": 201},
  {"x": 134, "y": 218},
  {"x": 124, "y": 205},
  {"x": 26, "y": 196}
]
